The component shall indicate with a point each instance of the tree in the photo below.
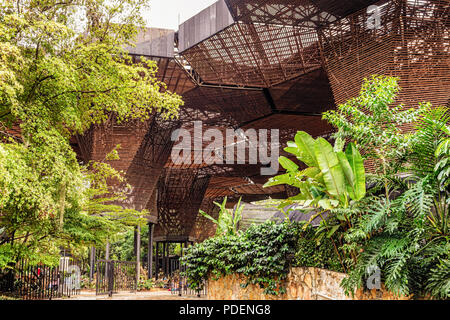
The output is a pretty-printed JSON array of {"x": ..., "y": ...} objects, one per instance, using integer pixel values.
[
  {"x": 376, "y": 126},
  {"x": 63, "y": 68},
  {"x": 403, "y": 225}
]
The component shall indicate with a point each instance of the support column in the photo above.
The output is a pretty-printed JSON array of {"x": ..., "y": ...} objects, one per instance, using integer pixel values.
[
  {"x": 168, "y": 259},
  {"x": 151, "y": 227},
  {"x": 138, "y": 254},
  {"x": 134, "y": 242},
  {"x": 164, "y": 265},
  {"x": 157, "y": 261},
  {"x": 180, "y": 284}
]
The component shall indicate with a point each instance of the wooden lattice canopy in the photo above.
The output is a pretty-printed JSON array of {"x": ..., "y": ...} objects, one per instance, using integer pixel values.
[{"x": 267, "y": 64}]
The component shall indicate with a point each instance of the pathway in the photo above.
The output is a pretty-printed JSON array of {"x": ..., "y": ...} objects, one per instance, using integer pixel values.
[{"x": 143, "y": 295}]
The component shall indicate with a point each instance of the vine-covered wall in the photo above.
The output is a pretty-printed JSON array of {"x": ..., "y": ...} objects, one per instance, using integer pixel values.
[{"x": 301, "y": 284}]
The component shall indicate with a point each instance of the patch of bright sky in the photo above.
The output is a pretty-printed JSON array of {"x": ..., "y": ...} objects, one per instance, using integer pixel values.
[{"x": 168, "y": 14}]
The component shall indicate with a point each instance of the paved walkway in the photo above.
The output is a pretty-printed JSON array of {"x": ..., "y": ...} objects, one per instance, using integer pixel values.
[{"x": 146, "y": 295}]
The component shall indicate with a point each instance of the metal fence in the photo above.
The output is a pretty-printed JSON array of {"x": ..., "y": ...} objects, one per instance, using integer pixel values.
[
  {"x": 179, "y": 285},
  {"x": 115, "y": 276},
  {"x": 41, "y": 282}
]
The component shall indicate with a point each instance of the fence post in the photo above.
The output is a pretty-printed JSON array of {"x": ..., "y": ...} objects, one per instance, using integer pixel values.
[
  {"x": 180, "y": 285},
  {"x": 110, "y": 266},
  {"x": 138, "y": 255},
  {"x": 151, "y": 227}
]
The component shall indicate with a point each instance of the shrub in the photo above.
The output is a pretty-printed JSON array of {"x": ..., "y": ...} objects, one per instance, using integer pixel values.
[
  {"x": 145, "y": 284},
  {"x": 263, "y": 254},
  {"x": 310, "y": 253}
]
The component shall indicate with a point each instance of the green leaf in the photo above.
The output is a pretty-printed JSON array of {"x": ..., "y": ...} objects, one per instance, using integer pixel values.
[
  {"x": 359, "y": 173},
  {"x": 329, "y": 165},
  {"x": 305, "y": 149},
  {"x": 348, "y": 172},
  {"x": 278, "y": 180},
  {"x": 332, "y": 231},
  {"x": 287, "y": 164},
  {"x": 207, "y": 216},
  {"x": 311, "y": 172}
]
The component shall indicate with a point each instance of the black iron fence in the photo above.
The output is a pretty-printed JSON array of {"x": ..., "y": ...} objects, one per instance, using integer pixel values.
[
  {"x": 40, "y": 282},
  {"x": 115, "y": 276},
  {"x": 180, "y": 286}
]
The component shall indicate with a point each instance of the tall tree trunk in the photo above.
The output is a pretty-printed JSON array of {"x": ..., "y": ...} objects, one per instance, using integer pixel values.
[{"x": 62, "y": 202}]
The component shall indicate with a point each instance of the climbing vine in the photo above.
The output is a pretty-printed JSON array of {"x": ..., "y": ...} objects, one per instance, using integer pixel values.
[{"x": 263, "y": 254}]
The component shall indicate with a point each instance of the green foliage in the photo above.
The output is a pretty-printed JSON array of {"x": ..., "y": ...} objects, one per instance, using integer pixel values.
[
  {"x": 311, "y": 253},
  {"x": 123, "y": 246},
  {"x": 405, "y": 231},
  {"x": 228, "y": 221},
  {"x": 375, "y": 125},
  {"x": 332, "y": 178},
  {"x": 262, "y": 253},
  {"x": 334, "y": 182},
  {"x": 439, "y": 281},
  {"x": 442, "y": 154},
  {"x": 63, "y": 68},
  {"x": 146, "y": 285}
]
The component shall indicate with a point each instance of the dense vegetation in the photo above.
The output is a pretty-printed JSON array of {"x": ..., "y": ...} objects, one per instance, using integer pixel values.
[
  {"x": 399, "y": 225},
  {"x": 260, "y": 253},
  {"x": 64, "y": 68},
  {"x": 263, "y": 253}
]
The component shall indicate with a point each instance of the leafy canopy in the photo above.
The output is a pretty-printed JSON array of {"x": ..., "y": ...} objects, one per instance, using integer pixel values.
[{"x": 64, "y": 68}]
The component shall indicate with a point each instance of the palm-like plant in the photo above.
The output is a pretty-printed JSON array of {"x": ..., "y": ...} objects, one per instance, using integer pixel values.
[
  {"x": 332, "y": 178},
  {"x": 332, "y": 182},
  {"x": 228, "y": 221},
  {"x": 430, "y": 166}
]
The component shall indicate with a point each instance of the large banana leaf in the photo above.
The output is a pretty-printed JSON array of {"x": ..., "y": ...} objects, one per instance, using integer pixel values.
[
  {"x": 303, "y": 149},
  {"x": 278, "y": 180},
  {"x": 358, "y": 188},
  {"x": 329, "y": 164},
  {"x": 288, "y": 164},
  {"x": 348, "y": 173},
  {"x": 294, "y": 178}
]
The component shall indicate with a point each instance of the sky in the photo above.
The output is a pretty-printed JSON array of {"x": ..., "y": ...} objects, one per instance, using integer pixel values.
[{"x": 167, "y": 13}]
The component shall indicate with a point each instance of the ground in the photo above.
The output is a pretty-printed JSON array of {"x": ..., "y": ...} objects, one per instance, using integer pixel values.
[{"x": 143, "y": 295}]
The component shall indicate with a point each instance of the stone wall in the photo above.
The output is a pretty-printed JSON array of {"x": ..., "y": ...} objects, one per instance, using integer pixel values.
[{"x": 301, "y": 284}]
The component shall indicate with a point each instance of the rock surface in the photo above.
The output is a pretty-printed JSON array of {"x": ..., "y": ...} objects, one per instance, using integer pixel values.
[{"x": 301, "y": 284}]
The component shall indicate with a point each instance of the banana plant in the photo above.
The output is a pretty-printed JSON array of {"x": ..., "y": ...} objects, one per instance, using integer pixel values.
[
  {"x": 228, "y": 220},
  {"x": 332, "y": 178}
]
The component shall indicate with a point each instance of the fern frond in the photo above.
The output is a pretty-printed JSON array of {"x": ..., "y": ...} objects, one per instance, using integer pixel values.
[
  {"x": 439, "y": 281},
  {"x": 427, "y": 138},
  {"x": 397, "y": 275},
  {"x": 419, "y": 199}
]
